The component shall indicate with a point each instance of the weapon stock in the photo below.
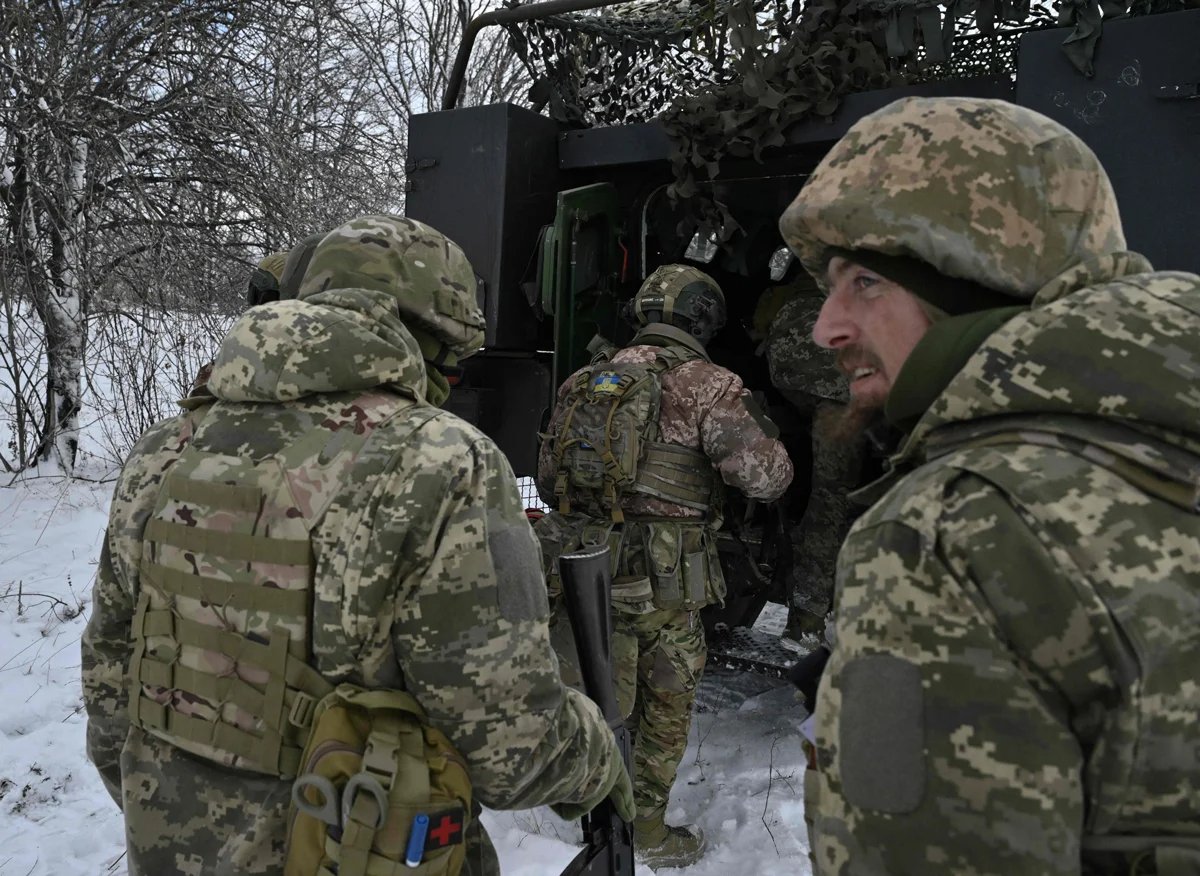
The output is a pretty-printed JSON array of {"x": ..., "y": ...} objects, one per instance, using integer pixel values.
[{"x": 587, "y": 588}]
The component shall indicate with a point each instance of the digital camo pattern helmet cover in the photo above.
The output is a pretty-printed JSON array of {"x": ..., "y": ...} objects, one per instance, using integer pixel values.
[
  {"x": 982, "y": 190},
  {"x": 426, "y": 272}
]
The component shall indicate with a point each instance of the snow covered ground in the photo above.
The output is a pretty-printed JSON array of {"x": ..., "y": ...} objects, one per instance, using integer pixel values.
[{"x": 741, "y": 778}]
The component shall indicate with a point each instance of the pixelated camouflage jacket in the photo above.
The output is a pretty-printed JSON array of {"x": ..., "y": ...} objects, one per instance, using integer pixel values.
[
  {"x": 427, "y": 578},
  {"x": 703, "y": 407},
  {"x": 1013, "y": 688}
]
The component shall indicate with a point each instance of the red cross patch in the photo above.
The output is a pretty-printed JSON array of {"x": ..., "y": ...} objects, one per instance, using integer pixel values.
[{"x": 445, "y": 829}]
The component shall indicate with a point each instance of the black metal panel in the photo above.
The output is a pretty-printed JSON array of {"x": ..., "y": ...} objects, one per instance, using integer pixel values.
[
  {"x": 855, "y": 106},
  {"x": 1131, "y": 113},
  {"x": 487, "y": 178},
  {"x": 603, "y": 147},
  {"x": 506, "y": 397}
]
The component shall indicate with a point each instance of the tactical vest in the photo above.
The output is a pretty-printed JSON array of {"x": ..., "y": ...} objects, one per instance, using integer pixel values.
[
  {"x": 606, "y": 449},
  {"x": 222, "y": 635},
  {"x": 222, "y": 645}
]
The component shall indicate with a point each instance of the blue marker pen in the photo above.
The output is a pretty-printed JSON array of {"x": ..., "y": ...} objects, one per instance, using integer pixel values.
[{"x": 416, "y": 840}]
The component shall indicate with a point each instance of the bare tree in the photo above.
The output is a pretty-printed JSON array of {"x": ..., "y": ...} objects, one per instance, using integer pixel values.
[
  {"x": 96, "y": 93},
  {"x": 151, "y": 151},
  {"x": 412, "y": 44}
]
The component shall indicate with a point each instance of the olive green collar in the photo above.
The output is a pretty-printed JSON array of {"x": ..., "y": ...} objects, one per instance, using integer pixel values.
[
  {"x": 660, "y": 334},
  {"x": 937, "y": 357}
]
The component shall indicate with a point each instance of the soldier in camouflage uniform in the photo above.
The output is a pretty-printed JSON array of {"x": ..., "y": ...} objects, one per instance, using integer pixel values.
[
  {"x": 658, "y": 640},
  {"x": 807, "y": 376},
  {"x": 1013, "y": 685},
  {"x": 409, "y": 553},
  {"x": 262, "y": 287}
]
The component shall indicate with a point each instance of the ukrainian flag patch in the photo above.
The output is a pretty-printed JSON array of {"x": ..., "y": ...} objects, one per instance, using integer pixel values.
[{"x": 606, "y": 381}]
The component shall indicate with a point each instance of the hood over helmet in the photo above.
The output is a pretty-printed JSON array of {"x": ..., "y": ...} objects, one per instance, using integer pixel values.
[
  {"x": 382, "y": 296},
  {"x": 979, "y": 190},
  {"x": 425, "y": 272},
  {"x": 344, "y": 340}
]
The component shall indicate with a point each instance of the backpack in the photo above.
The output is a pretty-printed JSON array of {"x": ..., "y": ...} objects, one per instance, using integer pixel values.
[{"x": 605, "y": 447}]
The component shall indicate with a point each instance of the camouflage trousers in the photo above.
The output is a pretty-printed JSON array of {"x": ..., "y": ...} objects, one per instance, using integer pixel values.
[{"x": 658, "y": 658}]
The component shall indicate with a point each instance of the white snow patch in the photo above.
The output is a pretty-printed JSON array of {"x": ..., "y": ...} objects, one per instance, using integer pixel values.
[{"x": 741, "y": 779}]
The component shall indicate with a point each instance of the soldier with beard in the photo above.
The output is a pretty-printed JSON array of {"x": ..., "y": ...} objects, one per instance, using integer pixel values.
[{"x": 1012, "y": 688}]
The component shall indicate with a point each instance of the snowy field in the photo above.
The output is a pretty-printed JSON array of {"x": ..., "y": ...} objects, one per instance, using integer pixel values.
[{"x": 741, "y": 777}]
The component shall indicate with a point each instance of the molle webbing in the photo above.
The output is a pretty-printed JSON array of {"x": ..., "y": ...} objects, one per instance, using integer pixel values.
[
  {"x": 233, "y": 546},
  {"x": 222, "y": 629},
  {"x": 285, "y": 702},
  {"x": 275, "y": 750},
  {"x": 677, "y": 474},
  {"x": 606, "y": 447},
  {"x": 240, "y": 591},
  {"x": 395, "y": 748}
]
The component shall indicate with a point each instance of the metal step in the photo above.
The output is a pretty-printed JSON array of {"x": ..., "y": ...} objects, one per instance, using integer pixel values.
[{"x": 750, "y": 650}]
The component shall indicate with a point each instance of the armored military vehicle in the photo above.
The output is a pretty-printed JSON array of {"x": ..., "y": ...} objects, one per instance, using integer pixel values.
[{"x": 679, "y": 130}]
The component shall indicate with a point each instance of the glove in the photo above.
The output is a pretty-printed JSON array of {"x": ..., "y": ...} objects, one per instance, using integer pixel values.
[
  {"x": 617, "y": 787},
  {"x": 621, "y": 794},
  {"x": 806, "y": 674}
]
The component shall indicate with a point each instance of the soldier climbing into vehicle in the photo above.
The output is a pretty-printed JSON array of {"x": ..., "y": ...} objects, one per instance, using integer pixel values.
[{"x": 637, "y": 454}]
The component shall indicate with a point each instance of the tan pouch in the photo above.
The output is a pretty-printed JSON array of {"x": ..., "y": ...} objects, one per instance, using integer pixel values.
[
  {"x": 375, "y": 778},
  {"x": 633, "y": 594}
]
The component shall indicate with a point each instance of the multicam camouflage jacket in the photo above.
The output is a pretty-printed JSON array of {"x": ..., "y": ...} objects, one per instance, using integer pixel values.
[
  {"x": 1013, "y": 687},
  {"x": 706, "y": 408},
  {"x": 427, "y": 578}
]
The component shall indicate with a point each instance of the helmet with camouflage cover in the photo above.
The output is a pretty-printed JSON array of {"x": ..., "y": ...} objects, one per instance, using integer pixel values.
[
  {"x": 682, "y": 296},
  {"x": 979, "y": 190},
  {"x": 264, "y": 279},
  {"x": 426, "y": 272},
  {"x": 798, "y": 365}
]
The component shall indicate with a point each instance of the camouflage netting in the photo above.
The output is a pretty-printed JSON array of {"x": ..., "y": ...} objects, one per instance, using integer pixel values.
[
  {"x": 730, "y": 77},
  {"x": 640, "y": 60}
]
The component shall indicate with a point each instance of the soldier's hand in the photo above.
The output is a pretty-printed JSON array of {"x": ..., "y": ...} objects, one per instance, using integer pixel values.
[
  {"x": 617, "y": 787},
  {"x": 621, "y": 794}
]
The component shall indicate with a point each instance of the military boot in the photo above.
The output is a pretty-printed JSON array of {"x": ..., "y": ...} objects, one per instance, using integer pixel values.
[
  {"x": 804, "y": 631},
  {"x": 661, "y": 845}
]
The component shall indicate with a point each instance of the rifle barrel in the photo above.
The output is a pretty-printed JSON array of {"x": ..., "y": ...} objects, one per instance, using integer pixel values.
[{"x": 587, "y": 590}]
